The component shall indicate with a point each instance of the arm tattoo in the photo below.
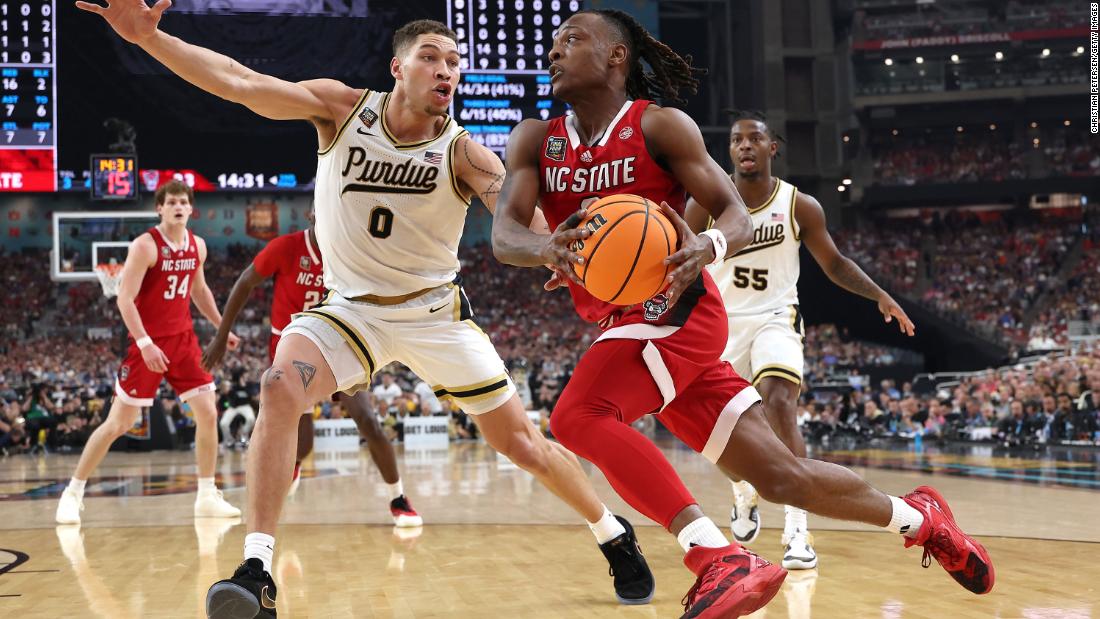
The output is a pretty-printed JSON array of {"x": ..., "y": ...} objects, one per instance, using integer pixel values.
[
  {"x": 848, "y": 275},
  {"x": 272, "y": 376},
  {"x": 306, "y": 371},
  {"x": 498, "y": 179}
]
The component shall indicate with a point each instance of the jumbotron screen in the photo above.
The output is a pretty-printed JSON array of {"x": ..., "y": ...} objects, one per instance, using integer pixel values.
[{"x": 63, "y": 105}]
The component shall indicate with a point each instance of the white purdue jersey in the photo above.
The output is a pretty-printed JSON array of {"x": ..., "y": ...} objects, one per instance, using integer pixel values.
[
  {"x": 389, "y": 214},
  {"x": 764, "y": 275}
]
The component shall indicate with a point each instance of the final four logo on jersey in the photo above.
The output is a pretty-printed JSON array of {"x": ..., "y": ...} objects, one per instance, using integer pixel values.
[
  {"x": 555, "y": 148},
  {"x": 164, "y": 251},
  {"x": 303, "y": 263},
  {"x": 625, "y": 133},
  {"x": 368, "y": 116}
]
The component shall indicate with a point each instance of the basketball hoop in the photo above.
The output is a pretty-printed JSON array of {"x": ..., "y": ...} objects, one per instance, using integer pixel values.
[{"x": 109, "y": 277}]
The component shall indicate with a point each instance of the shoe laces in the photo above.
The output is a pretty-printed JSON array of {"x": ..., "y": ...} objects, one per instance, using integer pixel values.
[
  {"x": 940, "y": 544},
  {"x": 704, "y": 582},
  {"x": 625, "y": 557}
]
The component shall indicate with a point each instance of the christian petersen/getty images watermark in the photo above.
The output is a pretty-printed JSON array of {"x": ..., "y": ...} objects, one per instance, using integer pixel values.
[{"x": 1094, "y": 52}]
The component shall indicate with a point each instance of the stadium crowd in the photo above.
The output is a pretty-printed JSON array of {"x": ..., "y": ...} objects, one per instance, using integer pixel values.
[{"x": 960, "y": 18}]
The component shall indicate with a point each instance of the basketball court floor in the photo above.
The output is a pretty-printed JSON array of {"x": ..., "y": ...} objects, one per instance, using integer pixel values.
[{"x": 496, "y": 544}]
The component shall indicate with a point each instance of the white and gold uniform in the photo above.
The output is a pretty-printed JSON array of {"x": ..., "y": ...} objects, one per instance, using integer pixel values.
[
  {"x": 389, "y": 217},
  {"x": 759, "y": 288}
]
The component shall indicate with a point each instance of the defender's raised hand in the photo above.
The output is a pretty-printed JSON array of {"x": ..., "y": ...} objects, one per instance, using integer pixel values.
[{"x": 133, "y": 20}]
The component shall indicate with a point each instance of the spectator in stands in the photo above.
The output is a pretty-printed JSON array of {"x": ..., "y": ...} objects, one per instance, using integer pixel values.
[{"x": 387, "y": 391}]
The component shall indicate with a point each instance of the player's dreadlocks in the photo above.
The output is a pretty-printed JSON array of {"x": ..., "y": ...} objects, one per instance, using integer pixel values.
[
  {"x": 671, "y": 72},
  {"x": 736, "y": 115}
]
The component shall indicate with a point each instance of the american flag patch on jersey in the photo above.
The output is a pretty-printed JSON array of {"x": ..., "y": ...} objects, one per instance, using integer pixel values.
[
  {"x": 777, "y": 216},
  {"x": 433, "y": 157}
]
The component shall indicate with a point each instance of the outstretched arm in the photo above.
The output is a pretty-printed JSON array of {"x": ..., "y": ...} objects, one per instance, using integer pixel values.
[
  {"x": 238, "y": 297},
  {"x": 841, "y": 269},
  {"x": 320, "y": 101}
]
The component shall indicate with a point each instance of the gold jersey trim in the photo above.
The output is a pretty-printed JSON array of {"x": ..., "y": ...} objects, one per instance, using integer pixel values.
[
  {"x": 344, "y": 125},
  {"x": 767, "y": 203},
  {"x": 408, "y": 145}
]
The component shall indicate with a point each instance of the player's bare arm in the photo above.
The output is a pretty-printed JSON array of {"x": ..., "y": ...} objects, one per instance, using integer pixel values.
[
  {"x": 323, "y": 102},
  {"x": 238, "y": 297},
  {"x": 203, "y": 298},
  {"x": 675, "y": 140},
  {"x": 843, "y": 270},
  {"x": 481, "y": 173},
  {"x": 513, "y": 240},
  {"x": 141, "y": 255},
  {"x": 697, "y": 217}
]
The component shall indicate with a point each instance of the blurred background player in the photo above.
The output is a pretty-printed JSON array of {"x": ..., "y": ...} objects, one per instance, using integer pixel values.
[
  {"x": 296, "y": 266},
  {"x": 759, "y": 288},
  {"x": 163, "y": 273}
]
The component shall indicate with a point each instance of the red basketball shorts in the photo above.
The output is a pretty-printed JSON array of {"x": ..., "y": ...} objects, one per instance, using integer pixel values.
[
  {"x": 137, "y": 385},
  {"x": 673, "y": 372}
]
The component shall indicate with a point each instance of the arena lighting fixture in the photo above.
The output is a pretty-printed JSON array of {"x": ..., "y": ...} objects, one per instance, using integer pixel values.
[
  {"x": 1080, "y": 50},
  {"x": 894, "y": 132},
  {"x": 1035, "y": 142},
  {"x": 846, "y": 182},
  {"x": 920, "y": 59},
  {"x": 1034, "y": 125},
  {"x": 921, "y": 72},
  {"x": 999, "y": 56},
  {"x": 992, "y": 127},
  {"x": 840, "y": 188},
  {"x": 954, "y": 58},
  {"x": 846, "y": 139},
  {"x": 959, "y": 129},
  {"x": 1066, "y": 123},
  {"x": 1046, "y": 52},
  {"x": 889, "y": 62}
]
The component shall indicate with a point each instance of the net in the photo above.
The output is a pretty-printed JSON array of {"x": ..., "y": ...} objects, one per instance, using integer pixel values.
[{"x": 109, "y": 277}]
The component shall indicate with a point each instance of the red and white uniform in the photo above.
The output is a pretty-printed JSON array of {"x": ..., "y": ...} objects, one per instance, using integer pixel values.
[
  {"x": 650, "y": 358},
  {"x": 164, "y": 305},
  {"x": 296, "y": 266}
]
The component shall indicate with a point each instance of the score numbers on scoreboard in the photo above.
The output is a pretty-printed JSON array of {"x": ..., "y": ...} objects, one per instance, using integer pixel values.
[
  {"x": 504, "y": 46},
  {"x": 28, "y": 86}
]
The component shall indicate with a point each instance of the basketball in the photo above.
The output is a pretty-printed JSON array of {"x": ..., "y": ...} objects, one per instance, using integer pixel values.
[{"x": 624, "y": 257}]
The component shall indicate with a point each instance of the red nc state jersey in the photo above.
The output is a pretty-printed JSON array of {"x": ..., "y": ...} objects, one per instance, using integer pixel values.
[
  {"x": 164, "y": 299},
  {"x": 572, "y": 174},
  {"x": 296, "y": 265}
]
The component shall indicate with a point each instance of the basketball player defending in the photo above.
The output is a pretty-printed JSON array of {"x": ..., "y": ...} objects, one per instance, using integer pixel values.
[
  {"x": 759, "y": 288},
  {"x": 295, "y": 263},
  {"x": 663, "y": 356},
  {"x": 163, "y": 273},
  {"x": 395, "y": 176}
]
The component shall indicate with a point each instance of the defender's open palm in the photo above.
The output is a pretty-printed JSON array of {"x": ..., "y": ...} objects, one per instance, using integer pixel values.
[{"x": 131, "y": 19}]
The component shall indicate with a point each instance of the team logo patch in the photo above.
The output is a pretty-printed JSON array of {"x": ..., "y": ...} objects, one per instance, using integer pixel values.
[
  {"x": 164, "y": 251},
  {"x": 625, "y": 133},
  {"x": 124, "y": 373},
  {"x": 586, "y": 156},
  {"x": 303, "y": 263},
  {"x": 151, "y": 178},
  {"x": 368, "y": 116},
  {"x": 433, "y": 157},
  {"x": 555, "y": 148},
  {"x": 655, "y": 307}
]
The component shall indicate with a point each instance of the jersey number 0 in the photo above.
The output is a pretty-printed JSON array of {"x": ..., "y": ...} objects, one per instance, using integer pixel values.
[{"x": 381, "y": 222}]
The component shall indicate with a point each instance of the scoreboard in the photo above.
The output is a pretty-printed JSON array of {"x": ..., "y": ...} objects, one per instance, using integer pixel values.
[
  {"x": 28, "y": 103},
  {"x": 504, "y": 46}
]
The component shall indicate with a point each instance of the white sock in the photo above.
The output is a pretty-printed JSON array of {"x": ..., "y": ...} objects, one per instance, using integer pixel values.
[
  {"x": 206, "y": 484},
  {"x": 607, "y": 527},
  {"x": 701, "y": 532},
  {"x": 795, "y": 520},
  {"x": 77, "y": 486},
  {"x": 743, "y": 491},
  {"x": 905, "y": 519},
  {"x": 259, "y": 546},
  {"x": 396, "y": 489}
]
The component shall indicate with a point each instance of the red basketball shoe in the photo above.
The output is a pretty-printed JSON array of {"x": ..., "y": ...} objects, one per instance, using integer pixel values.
[
  {"x": 732, "y": 582},
  {"x": 403, "y": 513},
  {"x": 961, "y": 555}
]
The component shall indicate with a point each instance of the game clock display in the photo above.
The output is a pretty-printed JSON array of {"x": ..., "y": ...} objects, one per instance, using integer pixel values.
[{"x": 114, "y": 177}]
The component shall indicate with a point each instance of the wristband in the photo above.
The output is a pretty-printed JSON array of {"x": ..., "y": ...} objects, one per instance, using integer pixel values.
[
  {"x": 719, "y": 241},
  {"x": 142, "y": 342}
]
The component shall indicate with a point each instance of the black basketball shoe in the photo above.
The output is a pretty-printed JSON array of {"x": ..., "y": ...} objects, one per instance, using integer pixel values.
[
  {"x": 634, "y": 582},
  {"x": 249, "y": 594}
]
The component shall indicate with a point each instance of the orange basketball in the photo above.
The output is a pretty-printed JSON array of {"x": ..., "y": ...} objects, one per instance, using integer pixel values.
[{"x": 624, "y": 257}]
